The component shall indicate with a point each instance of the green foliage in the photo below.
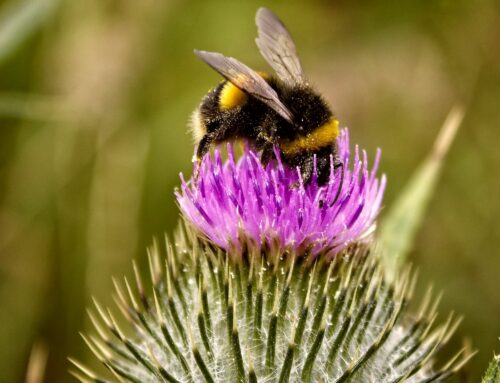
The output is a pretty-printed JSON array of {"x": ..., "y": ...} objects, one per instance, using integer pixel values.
[{"x": 212, "y": 318}]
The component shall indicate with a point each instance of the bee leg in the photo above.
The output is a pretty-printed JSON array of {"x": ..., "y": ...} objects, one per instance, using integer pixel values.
[
  {"x": 266, "y": 139},
  {"x": 338, "y": 164},
  {"x": 267, "y": 134},
  {"x": 267, "y": 154},
  {"x": 323, "y": 169},
  {"x": 306, "y": 171},
  {"x": 203, "y": 148}
]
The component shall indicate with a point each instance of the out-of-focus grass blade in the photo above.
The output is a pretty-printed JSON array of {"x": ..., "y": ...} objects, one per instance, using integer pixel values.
[
  {"x": 398, "y": 229},
  {"x": 19, "y": 20},
  {"x": 34, "y": 107}
]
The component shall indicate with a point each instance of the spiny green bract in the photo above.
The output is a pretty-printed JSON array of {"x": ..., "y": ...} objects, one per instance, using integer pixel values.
[
  {"x": 211, "y": 318},
  {"x": 492, "y": 375}
]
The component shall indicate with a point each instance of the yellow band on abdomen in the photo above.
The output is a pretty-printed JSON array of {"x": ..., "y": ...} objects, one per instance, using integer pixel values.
[{"x": 322, "y": 136}]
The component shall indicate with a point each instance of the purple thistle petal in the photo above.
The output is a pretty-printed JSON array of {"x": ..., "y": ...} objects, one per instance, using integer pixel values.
[{"x": 240, "y": 205}]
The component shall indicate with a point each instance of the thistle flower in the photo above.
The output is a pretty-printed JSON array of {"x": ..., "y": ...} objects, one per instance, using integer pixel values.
[
  {"x": 267, "y": 283},
  {"x": 242, "y": 206}
]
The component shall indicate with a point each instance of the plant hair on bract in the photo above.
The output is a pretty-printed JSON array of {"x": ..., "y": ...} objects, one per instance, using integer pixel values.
[{"x": 282, "y": 110}]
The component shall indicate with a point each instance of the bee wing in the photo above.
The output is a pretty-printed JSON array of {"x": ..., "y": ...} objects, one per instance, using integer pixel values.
[
  {"x": 246, "y": 79},
  {"x": 277, "y": 47}
]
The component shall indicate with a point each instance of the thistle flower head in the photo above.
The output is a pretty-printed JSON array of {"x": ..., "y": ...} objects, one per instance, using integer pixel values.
[
  {"x": 208, "y": 314},
  {"x": 240, "y": 205}
]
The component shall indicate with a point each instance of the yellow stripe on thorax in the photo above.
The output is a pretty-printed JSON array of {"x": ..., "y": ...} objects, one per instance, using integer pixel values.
[
  {"x": 320, "y": 137},
  {"x": 231, "y": 96}
]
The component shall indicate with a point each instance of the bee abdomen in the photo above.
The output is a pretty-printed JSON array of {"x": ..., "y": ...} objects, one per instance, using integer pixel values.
[{"x": 323, "y": 136}]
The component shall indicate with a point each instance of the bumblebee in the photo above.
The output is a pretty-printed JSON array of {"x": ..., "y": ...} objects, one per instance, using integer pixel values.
[{"x": 280, "y": 111}]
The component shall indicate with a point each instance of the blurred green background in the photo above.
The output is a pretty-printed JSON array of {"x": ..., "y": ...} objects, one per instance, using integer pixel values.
[{"x": 94, "y": 100}]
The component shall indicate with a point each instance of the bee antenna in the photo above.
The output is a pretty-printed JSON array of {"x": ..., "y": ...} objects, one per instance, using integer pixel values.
[{"x": 339, "y": 189}]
